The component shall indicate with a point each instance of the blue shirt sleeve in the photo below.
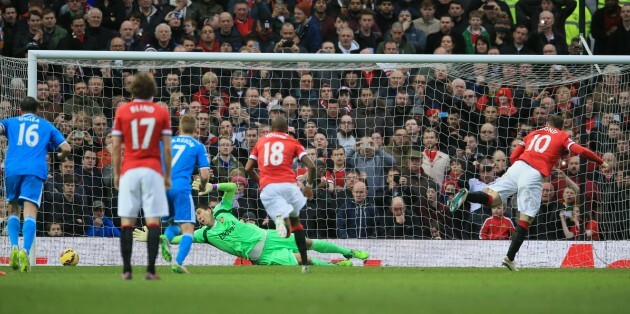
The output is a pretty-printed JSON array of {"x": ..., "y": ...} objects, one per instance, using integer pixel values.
[{"x": 57, "y": 138}]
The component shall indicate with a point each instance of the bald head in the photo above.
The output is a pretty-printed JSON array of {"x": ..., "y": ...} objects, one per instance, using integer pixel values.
[{"x": 280, "y": 124}]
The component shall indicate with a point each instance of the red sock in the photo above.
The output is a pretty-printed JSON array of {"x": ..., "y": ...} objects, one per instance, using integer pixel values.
[
  {"x": 153, "y": 224},
  {"x": 490, "y": 199},
  {"x": 297, "y": 228},
  {"x": 523, "y": 224}
]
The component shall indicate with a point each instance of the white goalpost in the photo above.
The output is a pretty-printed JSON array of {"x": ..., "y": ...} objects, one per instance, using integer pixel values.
[{"x": 476, "y": 105}]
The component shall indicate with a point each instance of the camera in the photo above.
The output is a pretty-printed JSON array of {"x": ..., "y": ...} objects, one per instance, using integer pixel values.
[
  {"x": 488, "y": 7},
  {"x": 487, "y": 168},
  {"x": 542, "y": 22},
  {"x": 178, "y": 15},
  {"x": 397, "y": 178},
  {"x": 287, "y": 44},
  {"x": 568, "y": 214}
]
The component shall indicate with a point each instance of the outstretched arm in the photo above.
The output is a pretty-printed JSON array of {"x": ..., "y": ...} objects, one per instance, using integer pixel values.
[
  {"x": 588, "y": 154},
  {"x": 141, "y": 235}
]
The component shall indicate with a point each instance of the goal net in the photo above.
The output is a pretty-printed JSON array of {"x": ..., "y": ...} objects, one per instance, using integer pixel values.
[{"x": 393, "y": 140}]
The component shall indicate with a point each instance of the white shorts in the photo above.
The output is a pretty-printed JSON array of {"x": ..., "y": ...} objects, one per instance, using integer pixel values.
[
  {"x": 523, "y": 179},
  {"x": 142, "y": 188},
  {"x": 284, "y": 199}
]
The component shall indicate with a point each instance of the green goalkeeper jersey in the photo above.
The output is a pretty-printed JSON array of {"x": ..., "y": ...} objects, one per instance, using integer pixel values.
[{"x": 229, "y": 234}]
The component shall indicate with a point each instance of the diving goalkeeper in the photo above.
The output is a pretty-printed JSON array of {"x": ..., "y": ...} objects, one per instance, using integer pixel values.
[{"x": 262, "y": 247}]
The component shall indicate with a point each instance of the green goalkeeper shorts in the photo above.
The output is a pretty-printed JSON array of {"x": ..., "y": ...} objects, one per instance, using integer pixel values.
[{"x": 278, "y": 251}]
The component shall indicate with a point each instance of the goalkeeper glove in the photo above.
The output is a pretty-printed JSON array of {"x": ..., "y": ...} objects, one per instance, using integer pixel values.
[
  {"x": 141, "y": 234},
  {"x": 197, "y": 184}
]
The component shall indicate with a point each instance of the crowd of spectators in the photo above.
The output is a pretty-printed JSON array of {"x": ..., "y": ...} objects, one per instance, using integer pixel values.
[{"x": 391, "y": 145}]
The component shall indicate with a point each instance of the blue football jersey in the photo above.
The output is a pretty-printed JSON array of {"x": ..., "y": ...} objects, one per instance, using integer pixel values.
[
  {"x": 29, "y": 138},
  {"x": 188, "y": 153}
]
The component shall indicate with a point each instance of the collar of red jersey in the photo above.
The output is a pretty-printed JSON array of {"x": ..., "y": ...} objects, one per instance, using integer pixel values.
[{"x": 143, "y": 100}]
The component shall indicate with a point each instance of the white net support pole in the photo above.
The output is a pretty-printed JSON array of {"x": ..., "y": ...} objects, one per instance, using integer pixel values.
[{"x": 35, "y": 55}]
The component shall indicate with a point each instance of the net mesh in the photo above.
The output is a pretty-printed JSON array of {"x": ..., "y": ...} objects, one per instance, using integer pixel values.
[{"x": 412, "y": 133}]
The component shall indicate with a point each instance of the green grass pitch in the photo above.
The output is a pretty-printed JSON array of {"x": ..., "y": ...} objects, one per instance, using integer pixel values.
[{"x": 258, "y": 289}]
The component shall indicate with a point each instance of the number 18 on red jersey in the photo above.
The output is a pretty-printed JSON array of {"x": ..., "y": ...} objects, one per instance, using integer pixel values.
[{"x": 274, "y": 154}]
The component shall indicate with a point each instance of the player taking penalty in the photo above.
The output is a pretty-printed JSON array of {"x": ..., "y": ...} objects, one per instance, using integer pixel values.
[
  {"x": 139, "y": 178},
  {"x": 26, "y": 171},
  {"x": 279, "y": 193},
  {"x": 188, "y": 154},
  {"x": 263, "y": 247},
  {"x": 532, "y": 160}
]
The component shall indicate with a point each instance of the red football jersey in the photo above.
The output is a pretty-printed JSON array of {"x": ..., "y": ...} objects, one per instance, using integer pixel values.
[
  {"x": 544, "y": 147},
  {"x": 274, "y": 153},
  {"x": 141, "y": 124},
  {"x": 336, "y": 176},
  {"x": 496, "y": 228}
]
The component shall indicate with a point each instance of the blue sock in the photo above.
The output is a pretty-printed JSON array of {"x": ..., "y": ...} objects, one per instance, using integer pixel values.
[
  {"x": 172, "y": 231},
  {"x": 28, "y": 232},
  {"x": 184, "y": 248},
  {"x": 13, "y": 224}
]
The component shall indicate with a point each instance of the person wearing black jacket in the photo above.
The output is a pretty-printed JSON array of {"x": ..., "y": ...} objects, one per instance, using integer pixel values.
[
  {"x": 31, "y": 38},
  {"x": 403, "y": 223}
]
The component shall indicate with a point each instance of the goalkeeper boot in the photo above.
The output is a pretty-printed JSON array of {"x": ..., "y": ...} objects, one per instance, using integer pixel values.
[
  {"x": 14, "y": 258},
  {"x": 25, "y": 264},
  {"x": 165, "y": 247},
  {"x": 126, "y": 275},
  {"x": 306, "y": 269},
  {"x": 357, "y": 254},
  {"x": 281, "y": 228},
  {"x": 177, "y": 268},
  {"x": 346, "y": 263},
  {"x": 458, "y": 200},
  {"x": 509, "y": 264}
]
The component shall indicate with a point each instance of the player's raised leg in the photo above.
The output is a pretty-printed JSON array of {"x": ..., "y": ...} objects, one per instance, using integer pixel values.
[{"x": 487, "y": 197}]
